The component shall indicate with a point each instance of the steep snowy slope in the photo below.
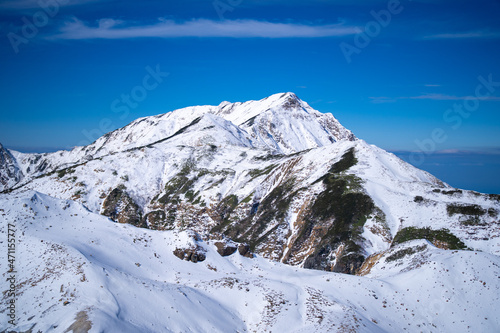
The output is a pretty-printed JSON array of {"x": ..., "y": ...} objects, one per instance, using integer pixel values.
[{"x": 78, "y": 271}]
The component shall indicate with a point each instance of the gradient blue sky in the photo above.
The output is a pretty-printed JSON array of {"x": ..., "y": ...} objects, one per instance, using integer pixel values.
[{"x": 403, "y": 78}]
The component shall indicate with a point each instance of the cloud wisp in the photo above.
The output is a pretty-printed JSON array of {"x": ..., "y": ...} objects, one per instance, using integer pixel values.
[
  {"x": 443, "y": 97},
  {"x": 382, "y": 100},
  {"x": 435, "y": 97},
  {"x": 485, "y": 151},
  {"x": 116, "y": 29},
  {"x": 465, "y": 35}
]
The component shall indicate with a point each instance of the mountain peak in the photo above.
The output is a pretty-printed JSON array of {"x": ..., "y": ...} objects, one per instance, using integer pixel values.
[
  {"x": 284, "y": 96},
  {"x": 284, "y": 123},
  {"x": 289, "y": 101},
  {"x": 281, "y": 123}
]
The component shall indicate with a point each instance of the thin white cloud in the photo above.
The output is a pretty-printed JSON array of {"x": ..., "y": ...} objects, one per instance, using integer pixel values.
[
  {"x": 382, "y": 100},
  {"x": 435, "y": 97},
  {"x": 477, "y": 151},
  {"x": 466, "y": 35},
  {"x": 450, "y": 151},
  {"x": 458, "y": 152},
  {"x": 432, "y": 85},
  {"x": 113, "y": 29},
  {"x": 442, "y": 97}
]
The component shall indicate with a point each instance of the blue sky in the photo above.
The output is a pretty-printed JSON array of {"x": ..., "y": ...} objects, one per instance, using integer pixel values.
[{"x": 419, "y": 77}]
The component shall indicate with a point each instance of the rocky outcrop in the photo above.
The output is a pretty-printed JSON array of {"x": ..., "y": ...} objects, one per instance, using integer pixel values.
[
  {"x": 158, "y": 220},
  {"x": 225, "y": 249},
  {"x": 193, "y": 254},
  {"x": 244, "y": 250},
  {"x": 10, "y": 174},
  {"x": 329, "y": 225},
  {"x": 120, "y": 207}
]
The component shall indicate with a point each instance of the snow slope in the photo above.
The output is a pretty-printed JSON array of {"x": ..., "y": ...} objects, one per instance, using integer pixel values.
[{"x": 79, "y": 269}]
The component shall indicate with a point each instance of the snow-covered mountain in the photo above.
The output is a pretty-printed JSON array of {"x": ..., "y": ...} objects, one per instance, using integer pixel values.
[
  {"x": 280, "y": 124},
  {"x": 228, "y": 188}
]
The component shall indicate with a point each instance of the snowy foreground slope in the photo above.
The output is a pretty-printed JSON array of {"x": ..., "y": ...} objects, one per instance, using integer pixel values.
[
  {"x": 240, "y": 217},
  {"x": 119, "y": 278}
]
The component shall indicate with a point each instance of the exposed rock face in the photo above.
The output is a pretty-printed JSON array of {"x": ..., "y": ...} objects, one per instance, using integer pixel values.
[
  {"x": 194, "y": 254},
  {"x": 225, "y": 249},
  {"x": 244, "y": 250},
  {"x": 342, "y": 212},
  {"x": 328, "y": 235},
  {"x": 10, "y": 174},
  {"x": 157, "y": 220},
  {"x": 119, "y": 207}
]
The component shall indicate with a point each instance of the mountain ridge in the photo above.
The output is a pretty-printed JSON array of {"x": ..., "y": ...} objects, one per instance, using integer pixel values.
[
  {"x": 148, "y": 130},
  {"x": 246, "y": 212},
  {"x": 207, "y": 173}
]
